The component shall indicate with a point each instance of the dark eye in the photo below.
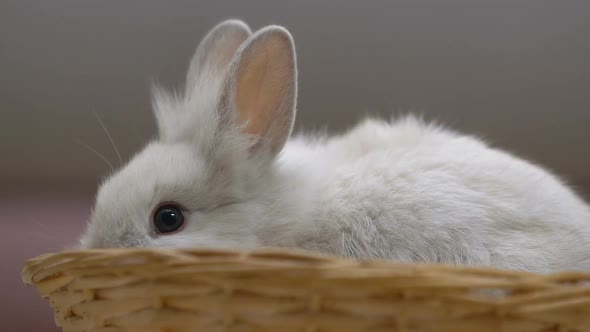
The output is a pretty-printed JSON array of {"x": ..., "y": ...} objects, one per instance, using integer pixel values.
[{"x": 168, "y": 219}]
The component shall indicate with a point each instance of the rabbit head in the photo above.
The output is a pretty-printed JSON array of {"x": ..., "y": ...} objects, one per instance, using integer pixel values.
[{"x": 195, "y": 185}]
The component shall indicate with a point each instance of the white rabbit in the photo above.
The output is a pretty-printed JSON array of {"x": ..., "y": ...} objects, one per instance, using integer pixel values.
[{"x": 223, "y": 173}]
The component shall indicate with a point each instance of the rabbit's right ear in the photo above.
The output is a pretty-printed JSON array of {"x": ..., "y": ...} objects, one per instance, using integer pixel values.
[
  {"x": 216, "y": 51},
  {"x": 260, "y": 92}
]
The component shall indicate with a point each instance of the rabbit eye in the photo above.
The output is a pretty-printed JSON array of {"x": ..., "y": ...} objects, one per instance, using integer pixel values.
[{"x": 168, "y": 218}]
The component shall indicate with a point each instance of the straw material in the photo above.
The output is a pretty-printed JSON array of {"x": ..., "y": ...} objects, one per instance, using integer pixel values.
[{"x": 156, "y": 290}]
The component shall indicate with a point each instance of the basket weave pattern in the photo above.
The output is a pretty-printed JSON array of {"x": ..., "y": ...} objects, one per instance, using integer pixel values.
[{"x": 156, "y": 290}]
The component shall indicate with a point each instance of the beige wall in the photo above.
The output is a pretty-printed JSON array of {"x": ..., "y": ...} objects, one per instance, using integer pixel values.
[{"x": 516, "y": 72}]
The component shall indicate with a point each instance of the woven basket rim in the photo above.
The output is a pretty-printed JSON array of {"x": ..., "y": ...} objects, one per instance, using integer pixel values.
[
  {"x": 104, "y": 288},
  {"x": 279, "y": 254}
]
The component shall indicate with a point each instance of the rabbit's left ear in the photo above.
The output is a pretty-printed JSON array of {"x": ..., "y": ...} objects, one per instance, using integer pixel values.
[
  {"x": 260, "y": 91},
  {"x": 215, "y": 52}
]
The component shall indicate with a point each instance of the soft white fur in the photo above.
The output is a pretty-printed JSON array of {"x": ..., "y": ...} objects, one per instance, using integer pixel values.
[{"x": 402, "y": 190}]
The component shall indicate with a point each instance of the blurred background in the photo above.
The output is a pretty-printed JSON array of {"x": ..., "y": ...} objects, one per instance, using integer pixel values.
[{"x": 516, "y": 73}]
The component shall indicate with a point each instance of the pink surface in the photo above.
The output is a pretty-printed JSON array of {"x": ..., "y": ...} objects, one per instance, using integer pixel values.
[{"x": 34, "y": 224}]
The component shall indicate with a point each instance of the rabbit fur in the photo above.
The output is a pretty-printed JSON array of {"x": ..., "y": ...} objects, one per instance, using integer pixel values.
[{"x": 403, "y": 189}]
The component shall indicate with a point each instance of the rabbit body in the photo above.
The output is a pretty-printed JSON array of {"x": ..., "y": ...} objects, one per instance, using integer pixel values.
[
  {"x": 409, "y": 191},
  {"x": 402, "y": 189}
]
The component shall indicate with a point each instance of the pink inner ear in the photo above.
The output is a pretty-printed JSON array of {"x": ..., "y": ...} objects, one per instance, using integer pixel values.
[{"x": 262, "y": 80}]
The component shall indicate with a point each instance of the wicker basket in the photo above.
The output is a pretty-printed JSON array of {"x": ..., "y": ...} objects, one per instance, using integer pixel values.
[{"x": 151, "y": 290}]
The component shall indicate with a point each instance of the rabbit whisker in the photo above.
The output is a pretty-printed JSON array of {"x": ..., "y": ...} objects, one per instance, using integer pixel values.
[
  {"x": 108, "y": 136},
  {"x": 98, "y": 154}
]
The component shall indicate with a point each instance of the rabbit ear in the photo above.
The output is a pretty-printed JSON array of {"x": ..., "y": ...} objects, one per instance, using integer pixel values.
[
  {"x": 261, "y": 88},
  {"x": 215, "y": 51}
]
